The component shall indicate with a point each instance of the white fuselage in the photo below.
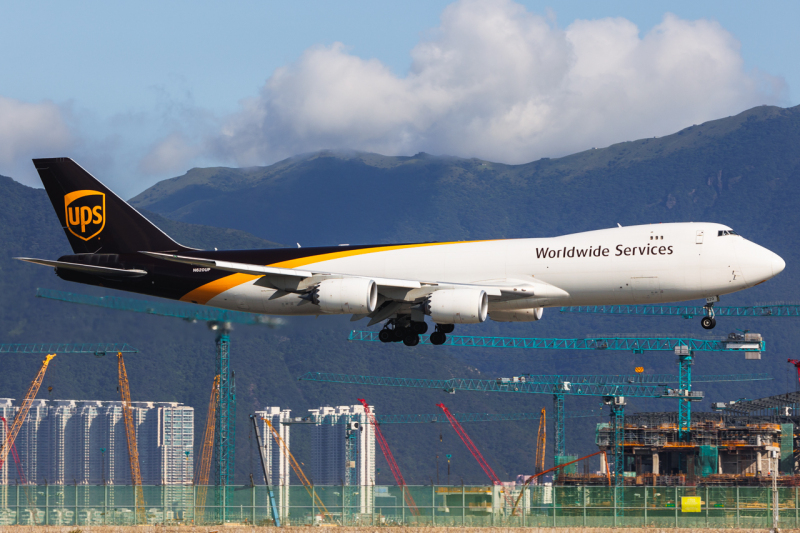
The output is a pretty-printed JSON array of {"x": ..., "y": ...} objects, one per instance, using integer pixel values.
[{"x": 625, "y": 265}]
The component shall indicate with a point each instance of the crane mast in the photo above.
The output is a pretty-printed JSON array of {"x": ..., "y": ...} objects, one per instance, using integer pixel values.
[
  {"x": 541, "y": 442},
  {"x": 387, "y": 453},
  {"x": 130, "y": 433},
  {"x": 203, "y": 473}
]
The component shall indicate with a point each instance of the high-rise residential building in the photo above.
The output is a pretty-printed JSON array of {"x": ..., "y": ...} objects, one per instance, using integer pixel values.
[
  {"x": 343, "y": 450},
  {"x": 84, "y": 442},
  {"x": 277, "y": 462},
  {"x": 33, "y": 442},
  {"x": 175, "y": 443}
]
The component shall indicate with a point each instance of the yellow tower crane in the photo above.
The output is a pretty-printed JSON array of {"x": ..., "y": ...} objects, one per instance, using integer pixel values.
[
  {"x": 297, "y": 470},
  {"x": 202, "y": 474},
  {"x": 11, "y": 435},
  {"x": 130, "y": 432},
  {"x": 540, "y": 443}
]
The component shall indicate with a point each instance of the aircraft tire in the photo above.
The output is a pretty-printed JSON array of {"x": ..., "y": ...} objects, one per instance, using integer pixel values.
[
  {"x": 708, "y": 323},
  {"x": 385, "y": 335},
  {"x": 398, "y": 334},
  {"x": 420, "y": 328},
  {"x": 411, "y": 339},
  {"x": 438, "y": 338},
  {"x": 446, "y": 328}
]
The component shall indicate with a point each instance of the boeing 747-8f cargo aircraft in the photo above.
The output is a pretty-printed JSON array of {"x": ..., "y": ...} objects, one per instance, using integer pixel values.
[{"x": 507, "y": 280}]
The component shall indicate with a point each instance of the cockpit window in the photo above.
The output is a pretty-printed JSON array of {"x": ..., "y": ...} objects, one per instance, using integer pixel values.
[{"x": 722, "y": 233}]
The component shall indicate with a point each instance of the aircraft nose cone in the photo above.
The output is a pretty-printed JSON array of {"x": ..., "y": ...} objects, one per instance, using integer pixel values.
[{"x": 778, "y": 264}]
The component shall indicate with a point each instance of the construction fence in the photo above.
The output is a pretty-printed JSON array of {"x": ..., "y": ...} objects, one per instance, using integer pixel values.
[{"x": 470, "y": 506}]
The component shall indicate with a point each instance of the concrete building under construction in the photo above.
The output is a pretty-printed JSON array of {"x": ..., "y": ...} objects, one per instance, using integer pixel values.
[{"x": 740, "y": 443}]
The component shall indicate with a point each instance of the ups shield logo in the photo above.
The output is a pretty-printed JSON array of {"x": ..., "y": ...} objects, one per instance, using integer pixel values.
[{"x": 86, "y": 213}]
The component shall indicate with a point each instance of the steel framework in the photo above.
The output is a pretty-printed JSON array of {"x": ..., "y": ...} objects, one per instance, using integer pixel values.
[
  {"x": 438, "y": 418},
  {"x": 686, "y": 311},
  {"x": 490, "y": 385},
  {"x": 226, "y": 413},
  {"x": 96, "y": 348},
  {"x": 630, "y": 344}
]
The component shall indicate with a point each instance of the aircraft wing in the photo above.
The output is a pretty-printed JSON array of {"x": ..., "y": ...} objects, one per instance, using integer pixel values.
[{"x": 393, "y": 289}]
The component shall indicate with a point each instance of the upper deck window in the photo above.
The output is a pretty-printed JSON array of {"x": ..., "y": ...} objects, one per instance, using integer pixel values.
[{"x": 722, "y": 233}]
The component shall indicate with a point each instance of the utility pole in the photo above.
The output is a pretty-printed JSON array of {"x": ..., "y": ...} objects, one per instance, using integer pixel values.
[
  {"x": 774, "y": 467},
  {"x": 437, "y": 468},
  {"x": 103, "y": 464}
]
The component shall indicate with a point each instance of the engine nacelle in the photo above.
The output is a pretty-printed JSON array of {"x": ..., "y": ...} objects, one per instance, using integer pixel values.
[
  {"x": 458, "y": 306},
  {"x": 517, "y": 315},
  {"x": 348, "y": 295}
]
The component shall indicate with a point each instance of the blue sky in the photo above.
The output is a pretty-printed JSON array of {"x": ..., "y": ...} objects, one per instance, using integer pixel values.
[{"x": 140, "y": 92}]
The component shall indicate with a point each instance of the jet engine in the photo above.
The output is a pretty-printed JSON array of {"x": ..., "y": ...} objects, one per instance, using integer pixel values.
[
  {"x": 517, "y": 315},
  {"x": 347, "y": 295},
  {"x": 457, "y": 306}
]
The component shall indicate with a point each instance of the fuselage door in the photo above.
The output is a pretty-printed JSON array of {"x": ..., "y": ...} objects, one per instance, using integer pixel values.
[
  {"x": 699, "y": 237},
  {"x": 645, "y": 289}
]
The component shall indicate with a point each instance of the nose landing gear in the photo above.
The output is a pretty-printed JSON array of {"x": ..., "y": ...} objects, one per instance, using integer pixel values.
[{"x": 709, "y": 321}]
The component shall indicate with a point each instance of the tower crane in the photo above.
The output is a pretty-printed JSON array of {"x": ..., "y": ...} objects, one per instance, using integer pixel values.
[
  {"x": 11, "y": 435},
  {"x": 387, "y": 453},
  {"x": 297, "y": 470},
  {"x": 51, "y": 349},
  {"x": 219, "y": 321},
  {"x": 201, "y": 476},
  {"x": 474, "y": 450},
  {"x": 130, "y": 433}
]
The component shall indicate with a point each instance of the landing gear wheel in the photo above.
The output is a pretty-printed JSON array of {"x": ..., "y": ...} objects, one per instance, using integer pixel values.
[
  {"x": 446, "y": 328},
  {"x": 708, "y": 323},
  {"x": 438, "y": 338},
  {"x": 385, "y": 335},
  {"x": 411, "y": 339},
  {"x": 398, "y": 334},
  {"x": 420, "y": 328}
]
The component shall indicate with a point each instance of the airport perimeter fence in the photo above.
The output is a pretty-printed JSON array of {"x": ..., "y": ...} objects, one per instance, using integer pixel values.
[{"x": 441, "y": 506}]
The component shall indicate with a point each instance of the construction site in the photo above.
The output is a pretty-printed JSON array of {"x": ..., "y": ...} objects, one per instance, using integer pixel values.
[{"x": 732, "y": 467}]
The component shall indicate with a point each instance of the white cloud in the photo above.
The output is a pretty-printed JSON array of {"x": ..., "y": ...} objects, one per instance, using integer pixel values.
[
  {"x": 498, "y": 82},
  {"x": 30, "y": 130},
  {"x": 170, "y": 155}
]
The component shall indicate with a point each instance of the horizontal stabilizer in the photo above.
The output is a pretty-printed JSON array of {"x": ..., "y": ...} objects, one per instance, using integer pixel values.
[{"x": 89, "y": 269}]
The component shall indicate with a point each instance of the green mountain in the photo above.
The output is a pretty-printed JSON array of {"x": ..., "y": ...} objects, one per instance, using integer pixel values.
[{"x": 743, "y": 171}]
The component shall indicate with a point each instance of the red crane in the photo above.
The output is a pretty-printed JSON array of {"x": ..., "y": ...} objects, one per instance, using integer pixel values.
[
  {"x": 796, "y": 364},
  {"x": 474, "y": 450},
  {"x": 14, "y": 455},
  {"x": 398, "y": 477},
  {"x": 18, "y": 464}
]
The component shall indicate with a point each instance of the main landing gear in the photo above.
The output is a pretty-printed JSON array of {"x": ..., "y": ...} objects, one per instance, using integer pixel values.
[
  {"x": 709, "y": 321},
  {"x": 408, "y": 332}
]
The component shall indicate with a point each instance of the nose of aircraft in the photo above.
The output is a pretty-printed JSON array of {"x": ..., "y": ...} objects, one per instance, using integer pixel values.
[
  {"x": 778, "y": 264},
  {"x": 757, "y": 263}
]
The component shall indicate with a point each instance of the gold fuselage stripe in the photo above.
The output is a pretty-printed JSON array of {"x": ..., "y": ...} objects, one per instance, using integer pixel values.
[{"x": 204, "y": 293}]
